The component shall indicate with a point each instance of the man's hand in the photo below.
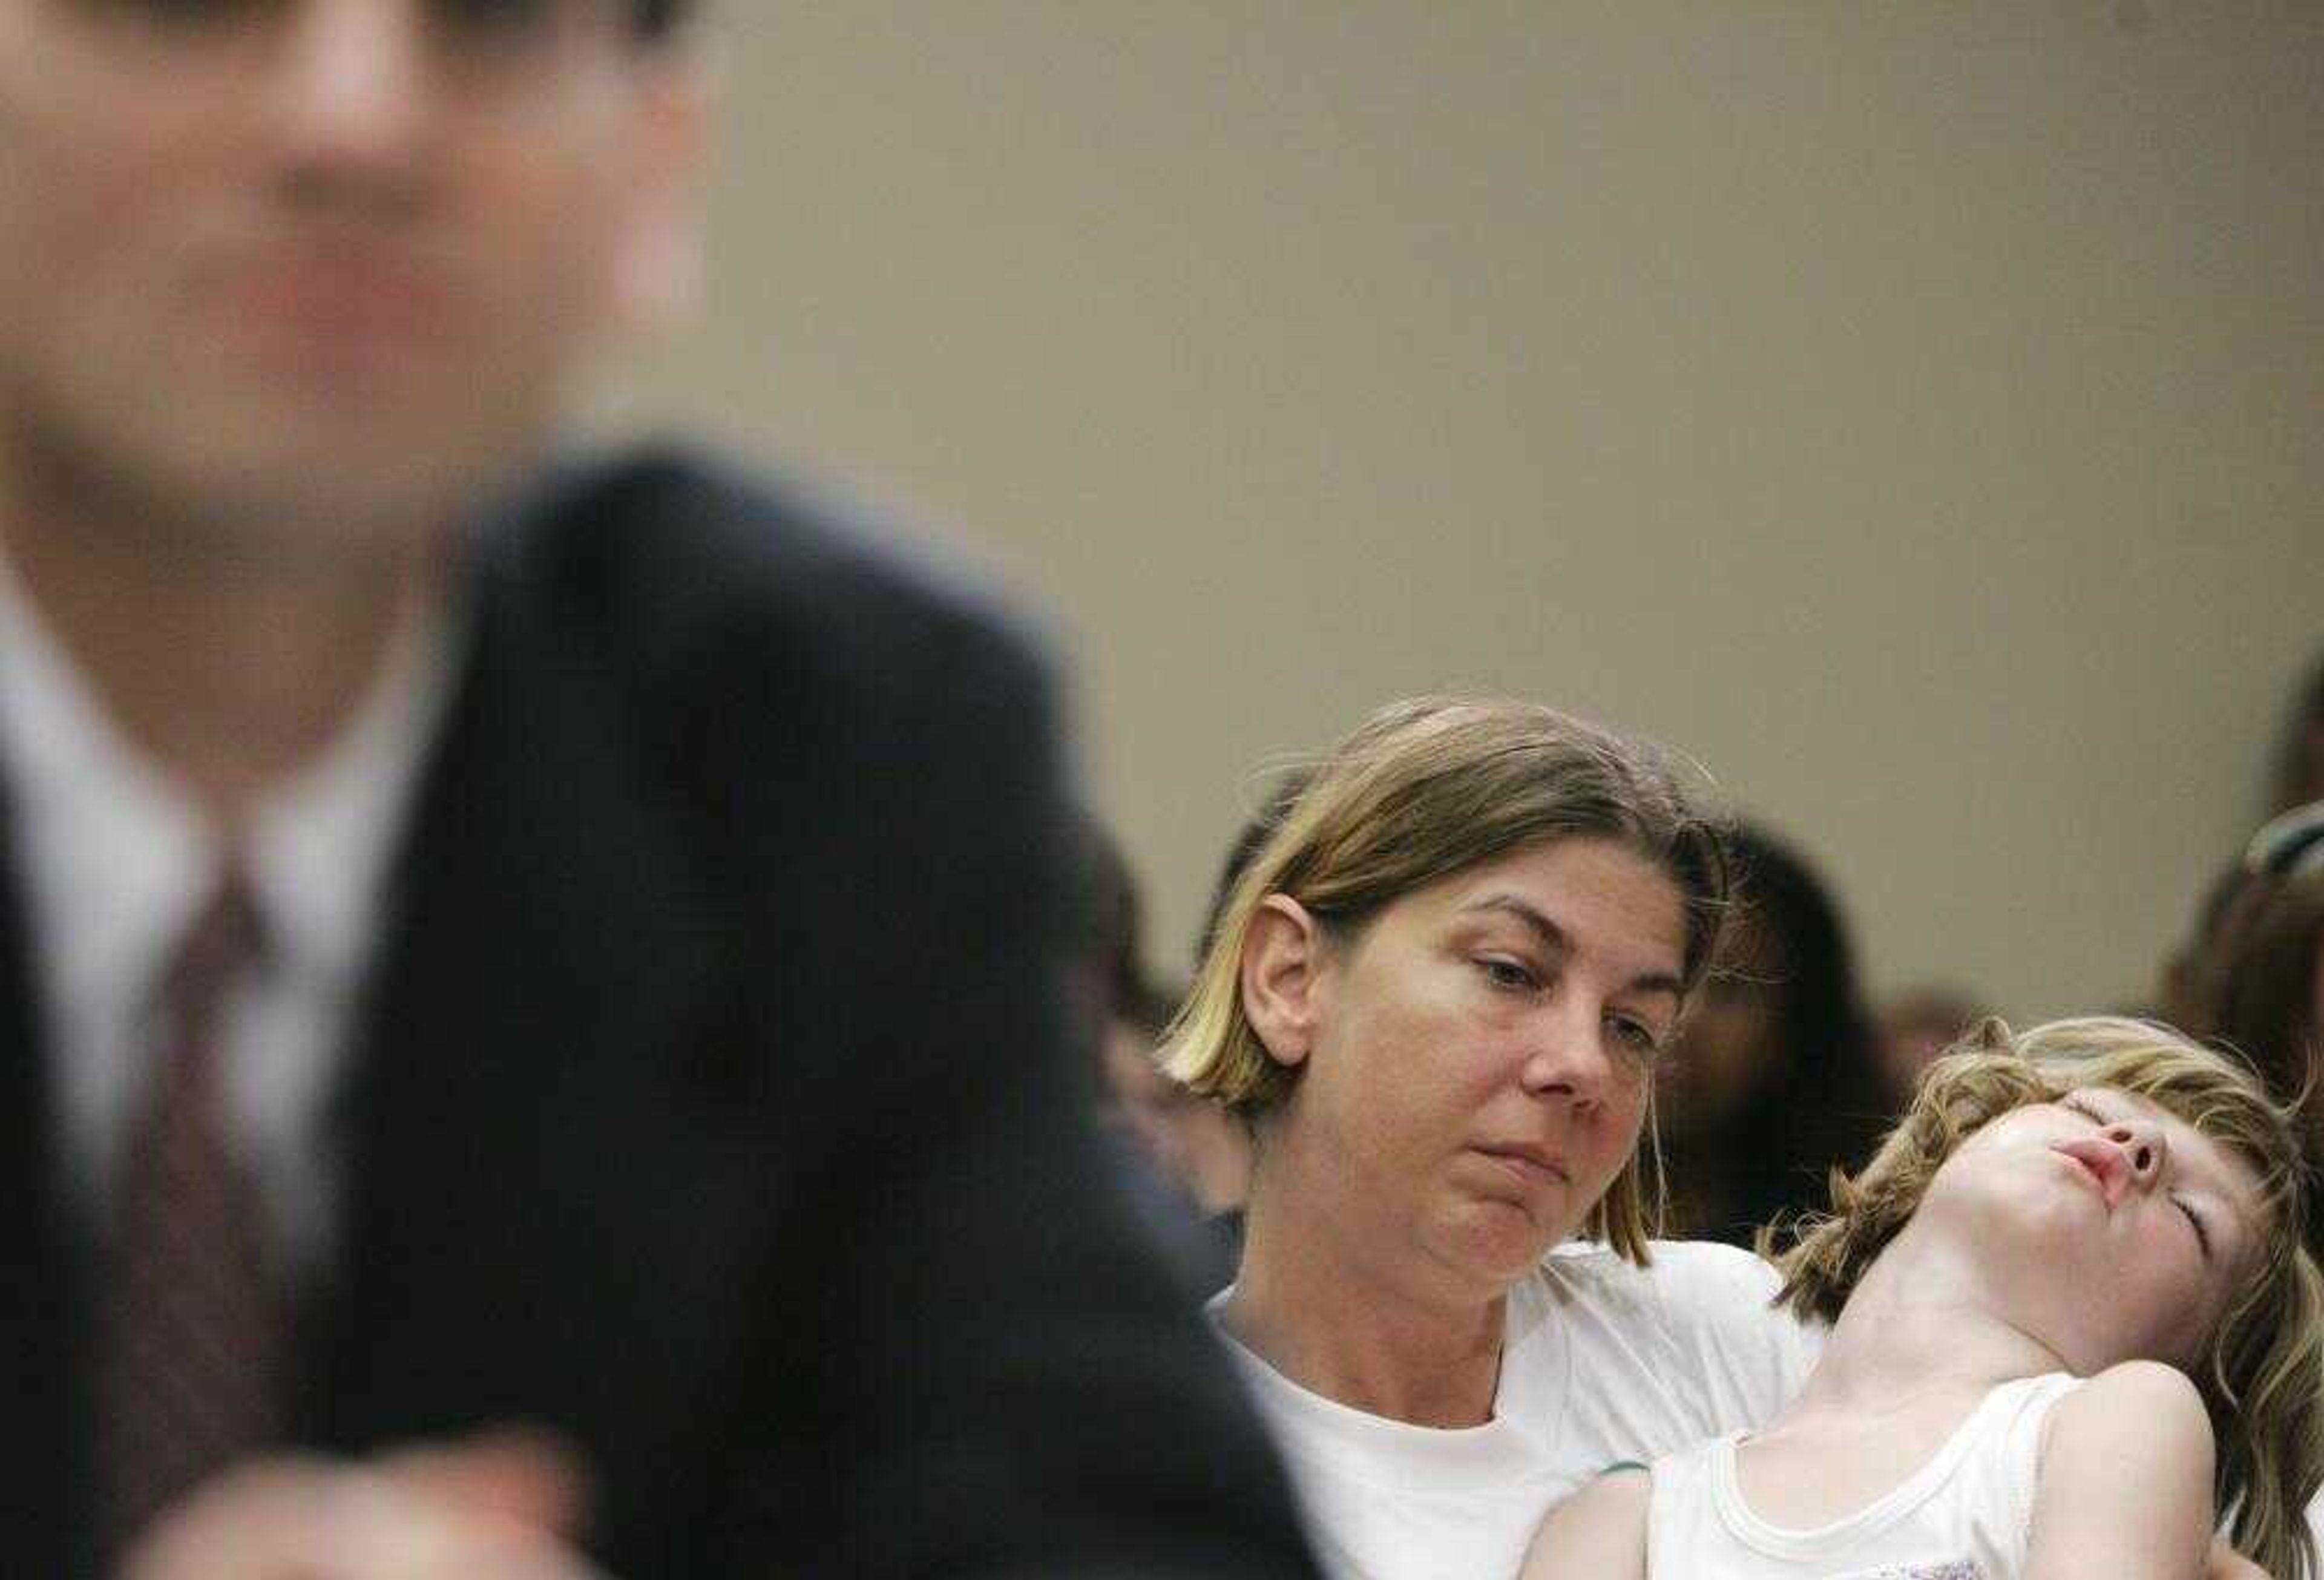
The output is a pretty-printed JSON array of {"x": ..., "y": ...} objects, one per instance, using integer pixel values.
[{"x": 497, "y": 1507}]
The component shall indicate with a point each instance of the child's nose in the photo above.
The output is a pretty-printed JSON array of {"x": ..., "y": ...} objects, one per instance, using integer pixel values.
[{"x": 2142, "y": 1147}]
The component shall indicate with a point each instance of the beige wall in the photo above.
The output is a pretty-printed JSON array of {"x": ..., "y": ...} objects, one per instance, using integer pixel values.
[{"x": 1911, "y": 408}]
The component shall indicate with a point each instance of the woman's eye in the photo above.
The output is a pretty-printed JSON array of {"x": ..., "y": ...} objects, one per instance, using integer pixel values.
[
  {"x": 1506, "y": 973},
  {"x": 1634, "y": 1035}
]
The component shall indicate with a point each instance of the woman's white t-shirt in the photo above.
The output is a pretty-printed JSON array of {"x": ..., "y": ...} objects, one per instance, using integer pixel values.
[{"x": 1603, "y": 1363}]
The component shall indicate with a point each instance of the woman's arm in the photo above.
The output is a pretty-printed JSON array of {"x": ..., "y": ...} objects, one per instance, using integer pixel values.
[
  {"x": 2125, "y": 1487},
  {"x": 1599, "y": 1533}
]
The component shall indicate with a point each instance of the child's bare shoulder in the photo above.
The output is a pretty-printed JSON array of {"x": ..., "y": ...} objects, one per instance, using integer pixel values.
[
  {"x": 2154, "y": 1397},
  {"x": 1598, "y": 1532},
  {"x": 2125, "y": 1485},
  {"x": 1621, "y": 1490}
]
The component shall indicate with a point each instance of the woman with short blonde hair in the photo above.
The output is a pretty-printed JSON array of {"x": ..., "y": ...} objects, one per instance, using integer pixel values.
[
  {"x": 1436, "y": 992},
  {"x": 1424, "y": 789}
]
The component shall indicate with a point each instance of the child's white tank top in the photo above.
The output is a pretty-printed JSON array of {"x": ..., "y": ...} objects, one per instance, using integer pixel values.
[{"x": 1965, "y": 1515}]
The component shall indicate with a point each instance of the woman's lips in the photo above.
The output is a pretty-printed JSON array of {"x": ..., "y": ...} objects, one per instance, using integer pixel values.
[{"x": 1528, "y": 1162}]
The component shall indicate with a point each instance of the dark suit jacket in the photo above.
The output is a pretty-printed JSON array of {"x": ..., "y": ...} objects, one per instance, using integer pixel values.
[{"x": 713, "y": 1106}]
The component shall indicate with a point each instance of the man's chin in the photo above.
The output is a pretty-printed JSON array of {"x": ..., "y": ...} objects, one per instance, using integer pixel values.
[
  {"x": 250, "y": 517},
  {"x": 304, "y": 488}
]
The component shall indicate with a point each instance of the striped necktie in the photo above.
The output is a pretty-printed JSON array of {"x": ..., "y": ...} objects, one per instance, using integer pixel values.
[{"x": 189, "y": 1362}]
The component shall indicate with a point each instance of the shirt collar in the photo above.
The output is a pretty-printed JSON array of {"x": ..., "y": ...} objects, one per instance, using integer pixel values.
[
  {"x": 117, "y": 856},
  {"x": 320, "y": 844}
]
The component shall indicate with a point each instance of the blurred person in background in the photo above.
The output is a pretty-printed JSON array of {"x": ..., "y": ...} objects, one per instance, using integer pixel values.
[
  {"x": 2299, "y": 751},
  {"x": 531, "y": 991},
  {"x": 1775, "y": 1079},
  {"x": 2254, "y": 977},
  {"x": 1189, "y": 1160},
  {"x": 1915, "y": 1026},
  {"x": 1204, "y": 1152},
  {"x": 2188, "y": 987}
]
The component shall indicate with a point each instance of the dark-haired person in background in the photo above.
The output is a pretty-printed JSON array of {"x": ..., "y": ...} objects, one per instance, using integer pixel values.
[
  {"x": 2300, "y": 750},
  {"x": 1186, "y": 1163},
  {"x": 1776, "y": 1076},
  {"x": 489, "y": 949},
  {"x": 2253, "y": 975},
  {"x": 1915, "y": 1025}
]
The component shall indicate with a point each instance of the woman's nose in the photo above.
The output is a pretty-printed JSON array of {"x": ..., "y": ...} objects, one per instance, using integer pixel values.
[{"x": 1569, "y": 1059}]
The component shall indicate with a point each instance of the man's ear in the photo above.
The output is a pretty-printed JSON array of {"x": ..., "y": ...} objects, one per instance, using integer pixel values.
[
  {"x": 656, "y": 280},
  {"x": 1282, "y": 968}
]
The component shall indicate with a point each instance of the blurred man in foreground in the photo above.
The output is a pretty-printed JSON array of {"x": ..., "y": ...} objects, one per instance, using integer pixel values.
[{"x": 525, "y": 991}]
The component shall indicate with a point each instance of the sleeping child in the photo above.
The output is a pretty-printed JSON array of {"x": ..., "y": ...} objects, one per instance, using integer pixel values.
[{"x": 2072, "y": 1324}]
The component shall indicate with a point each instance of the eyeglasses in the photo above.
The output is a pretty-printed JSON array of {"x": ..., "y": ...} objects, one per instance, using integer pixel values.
[
  {"x": 514, "y": 64},
  {"x": 2289, "y": 846}
]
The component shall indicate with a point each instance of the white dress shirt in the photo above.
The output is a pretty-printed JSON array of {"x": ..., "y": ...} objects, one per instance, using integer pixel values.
[{"x": 115, "y": 858}]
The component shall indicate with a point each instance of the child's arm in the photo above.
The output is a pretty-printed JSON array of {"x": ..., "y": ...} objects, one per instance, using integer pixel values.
[
  {"x": 1599, "y": 1533},
  {"x": 2125, "y": 1489}
]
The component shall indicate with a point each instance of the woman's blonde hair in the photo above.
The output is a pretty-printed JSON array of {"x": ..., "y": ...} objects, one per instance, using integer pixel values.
[
  {"x": 2262, "y": 1376},
  {"x": 1422, "y": 790}
]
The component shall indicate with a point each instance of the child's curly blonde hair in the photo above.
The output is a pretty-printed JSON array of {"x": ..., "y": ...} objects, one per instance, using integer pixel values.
[{"x": 2263, "y": 1377}]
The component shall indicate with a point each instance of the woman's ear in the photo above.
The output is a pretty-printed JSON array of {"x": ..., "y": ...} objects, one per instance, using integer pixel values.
[{"x": 1282, "y": 963}]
